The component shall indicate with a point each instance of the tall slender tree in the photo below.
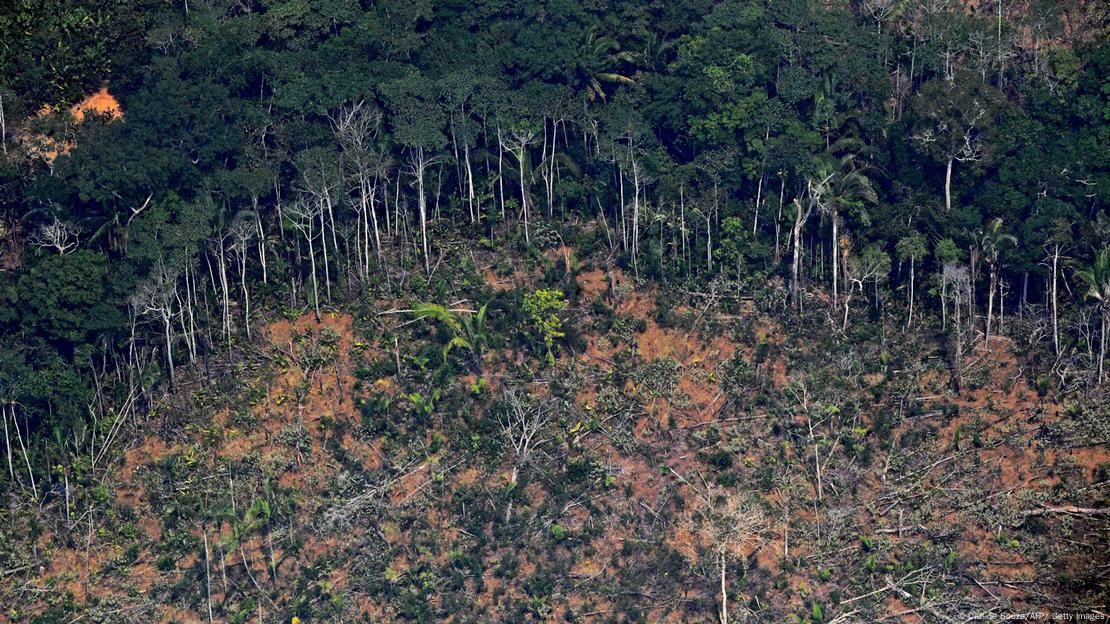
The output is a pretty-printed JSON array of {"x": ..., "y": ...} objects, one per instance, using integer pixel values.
[
  {"x": 990, "y": 240},
  {"x": 911, "y": 249}
]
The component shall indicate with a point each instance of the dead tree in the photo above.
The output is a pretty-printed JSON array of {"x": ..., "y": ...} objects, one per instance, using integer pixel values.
[
  {"x": 302, "y": 214},
  {"x": 880, "y": 11},
  {"x": 872, "y": 265},
  {"x": 356, "y": 129},
  {"x": 814, "y": 194},
  {"x": 217, "y": 248},
  {"x": 419, "y": 161},
  {"x": 242, "y": 231},
  {"x": 318, "y": 189},
  {"x": 728, "y": 524},
  {"x": 155, "y": 298},
  {"x": 956, "y": 283},
  {"x": 3, "y": 127},
  {"x": 61, "y": 236},
  {"x": 522, "y": 425},
  {"x": 517, "y": 144}
]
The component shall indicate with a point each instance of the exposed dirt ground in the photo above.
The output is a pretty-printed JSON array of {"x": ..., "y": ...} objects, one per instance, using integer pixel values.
[{"x": 304, "y": 419}]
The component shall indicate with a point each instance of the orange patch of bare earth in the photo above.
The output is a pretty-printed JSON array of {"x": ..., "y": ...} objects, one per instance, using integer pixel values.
[
  {"x": 151, "y": 450},
  {"x": 495, "y": 282},
  {"x": 1005, "y": 408},
  {"x": 594, "y": 283},
  {"x": 303, "y": 398},
  {"x": 563, "y": 252},
  {"x": 82, "y": 565},
  {"x": 48, "y": 149},
  {"x": 699, "y": 360},
  {"x": 989, "y": 457},
  {"x": 639, "y": 485},
  {"x": 698, "y": 397},
  {"x": 102, "y": 103},
  {"x": 518, "y": 277},
  {"x": 327, "y": 392}
]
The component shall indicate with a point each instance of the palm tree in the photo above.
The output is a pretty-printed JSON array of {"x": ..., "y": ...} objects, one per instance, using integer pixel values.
[
  {"x": 847, "y": 183},
  {"x": 598, "y": 58},
  {"x": 1097, "y": 279},
  {"x": 468, "y": 331},
  {"x": 990, "y": 243}
]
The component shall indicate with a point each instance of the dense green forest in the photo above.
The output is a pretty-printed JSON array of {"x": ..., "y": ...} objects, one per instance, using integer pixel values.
[{"x": 411, "y": 310}]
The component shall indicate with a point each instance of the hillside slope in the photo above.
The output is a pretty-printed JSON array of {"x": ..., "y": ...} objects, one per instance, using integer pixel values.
[{"x": 345, "y": 470}]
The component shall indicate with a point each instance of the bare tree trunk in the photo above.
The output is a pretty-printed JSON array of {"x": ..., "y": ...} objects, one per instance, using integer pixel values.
[
  {"x": 948, "y": 187},
  {"x": 623, "y": 221},
  {"x": 501, "y": 171},
  {"x": 385, "y": 205},
  {"x": 847, "y": 307},
  {"x": 8, "y": 443},
  {"x": 1055, "y": 316},
  {"x": 799, "y": 222},
  {"x": 990, "y": 304},
  {"x": 959, "y": 342},
  {"x": 909, "y": 319},
  {"x": 548, "y": 166},
  {"x": 400, "y": 225},
  {"x": 458, "y": 171},
  {"x": 3, "y": 127},
  {"x": 523, "y": 195},
  {"x": 370, "y": 208},
  {"x": 794, "y": 277},
  {"x": 475, "y": 206},
  {"x": 758, "y": 200},
  {"x": 1102, "y": 344},
  {"x": 662, "y": 255},
  {"x": 69, "y": 517},
  {"x": 439, "y": 188},
  {"x": 835, "y": 258},
  {"x": 1001, "y": 306},
  {"x": 246, "y": 293},
  {"x": 184, "y": 325},
  {"x": 419, "y": 165},
  {"x": 362, "y": 233},
  {"x": 221, "y": 262},
  {"x": 778, "y": 219},
  {"x": 553, "y": 165},
  {"x": 635, "y": 218},
  {"x": 207, "y": 574},
  {"x": 708, "y": 240},
  {"x": 190, "y": 298},
  {"x": 324, "y": 247},
  {"x": 261, "y": 246},
  {"x": 167, "y": 323},
  {"x": 312, "y": 264},
  {"x": 331, "y": 221},
  {"x": 278, "y": 207},
  {"x": 26, "y": 457},
  {"x": 362, "y": 239},
  {"x": 721, "y": 561}
]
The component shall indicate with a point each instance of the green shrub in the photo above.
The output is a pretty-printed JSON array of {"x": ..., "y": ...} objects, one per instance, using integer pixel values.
[
  {"x": 542, "y": 308},
  {"x": 558, "y": 533}
]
